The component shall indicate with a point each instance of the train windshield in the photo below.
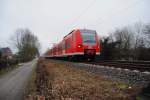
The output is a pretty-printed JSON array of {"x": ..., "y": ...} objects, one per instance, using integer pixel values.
[{"x": 88, "y": 38}]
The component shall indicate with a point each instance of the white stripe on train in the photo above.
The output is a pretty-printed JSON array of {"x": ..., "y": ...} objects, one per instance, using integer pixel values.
[{"x": 68, "y": 54}]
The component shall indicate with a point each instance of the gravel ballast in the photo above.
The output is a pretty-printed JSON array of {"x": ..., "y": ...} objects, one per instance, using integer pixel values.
[{"x": 132, "y": 77}]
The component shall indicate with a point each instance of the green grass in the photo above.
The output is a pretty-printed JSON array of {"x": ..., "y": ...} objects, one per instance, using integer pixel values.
[
  {"x": 138, "y": 98},
  {"x": 123, "y": 86}
]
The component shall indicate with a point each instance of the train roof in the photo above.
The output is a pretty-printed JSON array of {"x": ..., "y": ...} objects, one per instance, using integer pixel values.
[
  {"x": 87, "y": 30},
  {"x": 81, "y": 30},
  {"x": 69, "y": 33}
]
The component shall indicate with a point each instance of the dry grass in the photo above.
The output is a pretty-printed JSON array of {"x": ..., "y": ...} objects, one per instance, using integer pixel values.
[
  {"x": 58, "y": 81},
  {"x": 31, "y": 90}
]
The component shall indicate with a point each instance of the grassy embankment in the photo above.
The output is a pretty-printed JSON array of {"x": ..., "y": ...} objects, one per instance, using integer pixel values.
[
  {"x": 8, "y": 69},
  {"x": 59, "y": 81},
  {"x": 31, "y": 86}
]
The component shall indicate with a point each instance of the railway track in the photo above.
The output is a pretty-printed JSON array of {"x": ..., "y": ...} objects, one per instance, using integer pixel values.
[{"x": 132, "y": 65}]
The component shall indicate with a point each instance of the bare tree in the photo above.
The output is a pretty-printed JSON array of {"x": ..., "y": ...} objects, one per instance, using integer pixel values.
[
  {"x": 141, "y": 41},
  {"x": 138, "y": 39},
  {"x": 128, "y": 43},
  {"x": 123, "y": 38},
  {"x": 147, "y": 33},
  {"x": 26, "y": 43}
]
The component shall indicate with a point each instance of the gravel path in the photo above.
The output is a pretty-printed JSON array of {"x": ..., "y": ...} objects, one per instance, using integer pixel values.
[{"x": 13, "y": 84}]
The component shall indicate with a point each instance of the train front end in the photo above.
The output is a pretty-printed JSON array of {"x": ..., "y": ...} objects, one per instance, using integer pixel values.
[{"x": 88, "y": 43}]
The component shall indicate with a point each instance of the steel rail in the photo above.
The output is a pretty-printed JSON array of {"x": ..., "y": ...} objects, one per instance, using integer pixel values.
[{"x": 141, "y": 66}]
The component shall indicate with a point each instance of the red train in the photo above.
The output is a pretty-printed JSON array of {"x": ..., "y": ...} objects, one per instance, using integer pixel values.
[{"x": 78, "y": 44}]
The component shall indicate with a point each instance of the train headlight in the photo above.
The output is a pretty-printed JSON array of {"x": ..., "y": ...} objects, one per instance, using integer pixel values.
[{"x": 79, "y": 46}]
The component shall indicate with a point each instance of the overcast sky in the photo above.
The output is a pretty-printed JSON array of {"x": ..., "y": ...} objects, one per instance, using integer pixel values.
[{"x": 50, "y": 20}]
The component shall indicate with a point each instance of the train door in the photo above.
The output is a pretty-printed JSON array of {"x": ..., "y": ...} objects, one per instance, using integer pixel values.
[
  {"x": 69, "y": 45},
  {"x": 73, "y": 42},
  {"x": 63, "y": 47}
]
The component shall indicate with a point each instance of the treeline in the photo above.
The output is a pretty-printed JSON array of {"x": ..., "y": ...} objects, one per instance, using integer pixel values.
[{"x": 127, "y": 43}]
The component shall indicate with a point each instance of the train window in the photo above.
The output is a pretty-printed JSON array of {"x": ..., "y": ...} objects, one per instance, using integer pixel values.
[
  {"x": 88, "y": 38},
  {"x": 67, "y": 45}
]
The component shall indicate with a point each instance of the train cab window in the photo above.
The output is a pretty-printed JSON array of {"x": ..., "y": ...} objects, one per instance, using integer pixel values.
[{"x": 88, "y": 38}]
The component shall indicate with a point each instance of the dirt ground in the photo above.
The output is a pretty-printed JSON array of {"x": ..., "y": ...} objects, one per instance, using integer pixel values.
[{"x": 59, "y": 81}]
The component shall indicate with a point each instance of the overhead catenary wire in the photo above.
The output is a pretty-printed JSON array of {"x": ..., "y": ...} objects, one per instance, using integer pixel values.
[
  {"x": 74, "y": 22},
  {"x": 117, "y": 12}
]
